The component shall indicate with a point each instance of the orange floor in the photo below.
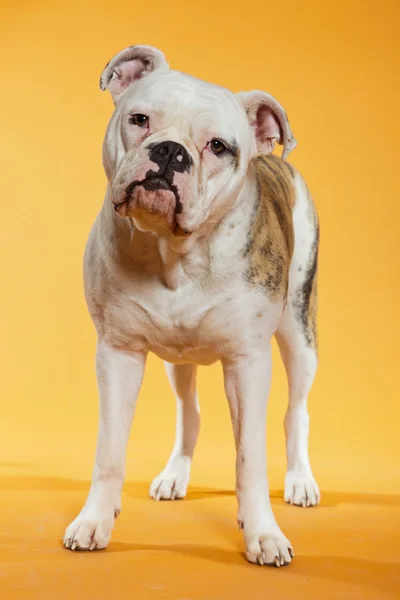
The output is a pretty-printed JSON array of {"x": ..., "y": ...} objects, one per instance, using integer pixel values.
[{"x": 190, "y": 549}]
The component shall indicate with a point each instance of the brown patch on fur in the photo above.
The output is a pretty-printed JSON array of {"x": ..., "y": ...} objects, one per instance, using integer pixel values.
[{"x": 271, "y": 237}]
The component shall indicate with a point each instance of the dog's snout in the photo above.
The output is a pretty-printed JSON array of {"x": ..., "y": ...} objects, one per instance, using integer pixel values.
[{"x": 170, "y": 156}]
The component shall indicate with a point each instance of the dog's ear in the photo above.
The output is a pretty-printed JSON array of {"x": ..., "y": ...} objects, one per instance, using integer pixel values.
[
  {"x": 269, "y": 122},
  {"x": 129, "y": 65}
]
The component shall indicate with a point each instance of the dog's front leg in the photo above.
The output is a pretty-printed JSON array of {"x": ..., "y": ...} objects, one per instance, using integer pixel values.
[
  {"x": 247, "y": 382},
  {"x": 119, "y": 377}
]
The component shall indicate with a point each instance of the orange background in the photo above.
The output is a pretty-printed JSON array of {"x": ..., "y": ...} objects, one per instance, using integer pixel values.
[{"x": 335, "y": 68}]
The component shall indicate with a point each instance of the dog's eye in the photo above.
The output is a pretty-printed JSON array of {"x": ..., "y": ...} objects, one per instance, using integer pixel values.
[
  {"x": 139, "y": 120},
  {"x": 217, "y": 146}
]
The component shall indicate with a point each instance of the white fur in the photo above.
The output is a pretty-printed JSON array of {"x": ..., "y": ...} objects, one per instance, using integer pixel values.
[
  {"x": 300, "y": 363},
  {"x": 185, "y": 300},
  {"x": 173, "y": 480}
]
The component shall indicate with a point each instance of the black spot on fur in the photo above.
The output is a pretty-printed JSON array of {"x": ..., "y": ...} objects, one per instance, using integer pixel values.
[
  {"x": 252, "y": 273},
  {"x": 303, "y": 295},
  {"x": 235, "y": 152}
]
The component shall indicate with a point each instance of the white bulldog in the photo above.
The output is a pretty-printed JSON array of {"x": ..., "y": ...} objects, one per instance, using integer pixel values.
[{"x": 205, "y": 248}]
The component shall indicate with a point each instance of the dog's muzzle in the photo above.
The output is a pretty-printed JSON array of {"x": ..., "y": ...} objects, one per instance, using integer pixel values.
[{"x": 156, "y": 193}]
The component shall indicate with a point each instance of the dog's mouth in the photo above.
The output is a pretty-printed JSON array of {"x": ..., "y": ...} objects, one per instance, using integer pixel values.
[{"x": 151, "y": 184}]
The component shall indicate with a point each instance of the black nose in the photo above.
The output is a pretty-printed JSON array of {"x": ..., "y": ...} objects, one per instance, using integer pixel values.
[{"x": 170, "y": 157}]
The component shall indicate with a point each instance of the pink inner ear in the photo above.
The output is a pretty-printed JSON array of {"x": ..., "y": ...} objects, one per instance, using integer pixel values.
[
  {"x": 124, "y": 75},
  {"x": 267, "y": 129}
]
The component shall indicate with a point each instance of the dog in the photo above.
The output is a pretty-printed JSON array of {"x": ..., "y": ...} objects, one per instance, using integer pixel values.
[{"x": 206, "y": 247}]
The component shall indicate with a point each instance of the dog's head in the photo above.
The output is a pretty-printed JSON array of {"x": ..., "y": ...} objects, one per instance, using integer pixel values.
[{"x": 177, "y": 149}]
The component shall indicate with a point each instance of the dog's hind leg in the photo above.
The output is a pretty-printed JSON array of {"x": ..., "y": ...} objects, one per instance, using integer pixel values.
[
  {"x": 172, "y": 482},
  {"x": 297, "y": 340}
]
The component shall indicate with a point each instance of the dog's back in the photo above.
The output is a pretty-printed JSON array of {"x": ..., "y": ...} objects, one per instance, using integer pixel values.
[{"x": 271, "y": 237}]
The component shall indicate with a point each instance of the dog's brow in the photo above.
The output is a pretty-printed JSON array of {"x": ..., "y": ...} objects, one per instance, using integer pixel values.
[{"x": 233, "y": 147}]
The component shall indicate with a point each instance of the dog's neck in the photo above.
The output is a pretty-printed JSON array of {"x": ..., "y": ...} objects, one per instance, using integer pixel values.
[{"x": 176, "y": 261}]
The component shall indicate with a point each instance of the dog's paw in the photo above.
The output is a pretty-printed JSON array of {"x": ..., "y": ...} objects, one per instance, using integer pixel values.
[
  {"x": 301, "y": 490},
  {"x": 169, "y": 486},
  {"x": 86, "y": 533},
  {"x": 270, "y": 549},
  {"x": 172, "y": 483}
]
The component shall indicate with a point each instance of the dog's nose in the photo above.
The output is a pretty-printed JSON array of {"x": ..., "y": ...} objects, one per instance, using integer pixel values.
[{"x": 170, "y": 156}]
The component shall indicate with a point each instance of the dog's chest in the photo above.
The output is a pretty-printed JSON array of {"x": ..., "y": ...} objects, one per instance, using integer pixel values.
[{"x": 189, "y": 324}]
